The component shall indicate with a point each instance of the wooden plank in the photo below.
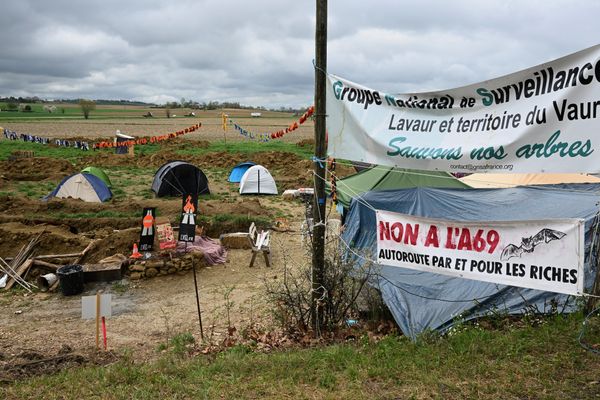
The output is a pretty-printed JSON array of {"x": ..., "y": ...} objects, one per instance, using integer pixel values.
[
  {"x": 84, "y": 252},
  {"x": 105, "y": 272},
  {"x": 46, "y": 265},
  {"x": 19, "y": 271}
]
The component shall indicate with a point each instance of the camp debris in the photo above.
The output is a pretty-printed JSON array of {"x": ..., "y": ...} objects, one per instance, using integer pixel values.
[
  {"x": 236, "y": 174},
  {"x": 176, "y": 178},
  {"x": 83, "y": 186},
  {"x": 98, "y": 173},
  {"x": 257, "y": 180},
  {"x": 120, "y": 138}
]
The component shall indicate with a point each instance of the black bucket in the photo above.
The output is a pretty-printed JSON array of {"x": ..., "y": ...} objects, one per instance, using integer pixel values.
[{"x": 71, "y": 279}]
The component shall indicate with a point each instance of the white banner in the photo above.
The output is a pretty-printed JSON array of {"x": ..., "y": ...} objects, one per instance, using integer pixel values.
[
  {"x": 546, "y": 255},
  {"x": 542, "y": 119}
]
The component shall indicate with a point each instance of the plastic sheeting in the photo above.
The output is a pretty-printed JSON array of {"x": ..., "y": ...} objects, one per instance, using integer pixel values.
[
  {"x": 421, "y": 300},
  {"x": 489, "y": 181},
  {"x": 212, "y": 250}
]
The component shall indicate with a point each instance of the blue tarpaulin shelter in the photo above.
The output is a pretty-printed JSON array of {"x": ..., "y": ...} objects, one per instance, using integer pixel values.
[
  {"x": 423, "y": 300},
  {"x": 235, "y": 176}
]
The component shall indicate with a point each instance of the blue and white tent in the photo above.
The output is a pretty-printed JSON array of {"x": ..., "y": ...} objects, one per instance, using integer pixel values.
[
  {"x": 235, "y": 176},
  {"x": 424, "y": 300},
  {"x": 258, "y": 180},
  {"x": 86, "y": 187}
]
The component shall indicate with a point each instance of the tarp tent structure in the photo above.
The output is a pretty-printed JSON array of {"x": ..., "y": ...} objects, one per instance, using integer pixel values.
[
  {"x": 86, "y": 187},
  {"x": 177, "y": 178},
  {"x": 98, "y": 173},
  {"x": 361, "y": 166},
  {"x": 423, "y": 300},
  {"x": 258, "y": 180},
  {"x": 236, "y": 174},
  {"x": 512, "y": 180},
  {"x": 382, "y": 177}
]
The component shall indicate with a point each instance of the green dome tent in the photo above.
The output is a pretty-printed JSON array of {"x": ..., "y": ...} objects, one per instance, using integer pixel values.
[
  {"x": 98, "y": 173},
  {"x": 381, "y": 177}
]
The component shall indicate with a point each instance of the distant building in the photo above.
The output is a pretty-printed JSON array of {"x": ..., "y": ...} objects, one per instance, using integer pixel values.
[{"x": 255, "y": 114}]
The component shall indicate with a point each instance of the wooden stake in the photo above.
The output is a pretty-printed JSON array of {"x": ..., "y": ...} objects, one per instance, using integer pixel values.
[
  {"x": 197, "y": 299},
  {"x": 592, "y": 301},
  {"x": 104, "y": 333},
  {"x": 17, "y": 275},
  {"x": 46, "y": 265},
  {"x": 84, "y": 252}
]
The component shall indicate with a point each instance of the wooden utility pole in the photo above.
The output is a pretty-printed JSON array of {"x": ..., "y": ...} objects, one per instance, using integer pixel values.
[{"x": 318, "y": 256}]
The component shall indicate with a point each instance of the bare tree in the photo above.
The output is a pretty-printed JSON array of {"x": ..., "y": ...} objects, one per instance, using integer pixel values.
[{"x": 86, "y": 107}]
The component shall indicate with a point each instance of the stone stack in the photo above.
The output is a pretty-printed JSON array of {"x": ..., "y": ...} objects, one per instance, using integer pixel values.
[{"x": 164, "y": 264}]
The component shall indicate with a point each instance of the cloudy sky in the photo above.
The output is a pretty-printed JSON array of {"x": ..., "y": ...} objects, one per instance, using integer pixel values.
[{"x": 260, "y": 52}]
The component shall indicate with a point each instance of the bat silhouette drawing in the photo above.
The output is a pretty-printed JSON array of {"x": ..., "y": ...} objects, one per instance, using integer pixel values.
[{"x": 528, "y": 244}]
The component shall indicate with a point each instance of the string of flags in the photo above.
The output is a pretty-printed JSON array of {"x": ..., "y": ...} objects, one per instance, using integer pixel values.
[
  {"x": 77, "y": 144},
  {"x": 147, "y": 140},
  {"x": 85, "y": 146},
  {"x": 261, "y": 137},
  {"x": 265, "y": 137}
]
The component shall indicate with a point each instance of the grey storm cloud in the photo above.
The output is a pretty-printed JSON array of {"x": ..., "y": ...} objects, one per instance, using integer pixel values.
[{"x": 260, "y": 52}]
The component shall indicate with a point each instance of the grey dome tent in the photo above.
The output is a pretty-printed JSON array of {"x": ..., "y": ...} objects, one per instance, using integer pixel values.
[{"x": 176, "y": 178}]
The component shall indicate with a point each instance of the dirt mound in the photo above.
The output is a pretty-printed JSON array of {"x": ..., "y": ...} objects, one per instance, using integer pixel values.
[
  {"x": 36, "y": 169},
  {"x": 70, "y": 224},
  {"x": 280, "y": 161},
  {"x": 116, "y": 242},
  {"x": 272, "y": 160},
  {"x": 56, "y": 239},
  {"x": 28, "y": 363},
  {"x": 306, "y": 143},
  {"x": 14, "y": 205},
  {"x": 244, "y": 206}
]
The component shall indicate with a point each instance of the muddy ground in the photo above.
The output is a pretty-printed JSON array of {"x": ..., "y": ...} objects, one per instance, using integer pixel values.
[{"x": 148, "y": 312}]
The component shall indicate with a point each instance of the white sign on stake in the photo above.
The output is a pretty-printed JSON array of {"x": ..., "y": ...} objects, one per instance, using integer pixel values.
[
  {"x": 545, "y": 254},
  {"x": 542, "y": 119},
  {"x": 88, "y": 306}
]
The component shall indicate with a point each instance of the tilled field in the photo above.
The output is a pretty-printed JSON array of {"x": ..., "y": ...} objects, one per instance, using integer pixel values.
[{"x": 211, "y": 127}]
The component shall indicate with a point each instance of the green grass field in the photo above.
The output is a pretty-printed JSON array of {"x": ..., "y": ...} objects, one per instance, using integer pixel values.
[
  {"x": 69, "y": 111},
  {"x": 41, "y": 150},
  {"x": 541, "y": 362},
  {"x": 73, "y": 111}
]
